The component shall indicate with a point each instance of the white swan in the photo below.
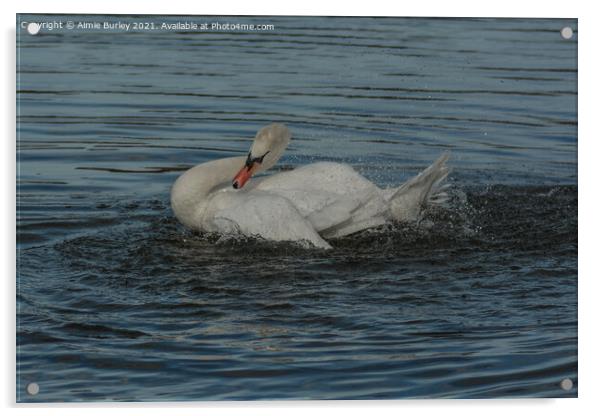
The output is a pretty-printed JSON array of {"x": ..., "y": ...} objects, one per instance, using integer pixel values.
[{"x": 312, "y": 203}]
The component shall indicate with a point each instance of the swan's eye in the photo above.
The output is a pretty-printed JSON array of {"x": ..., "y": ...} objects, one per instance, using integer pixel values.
[
  {"x": 260, "y": 159},
  {"x": 250, "y": 161}
]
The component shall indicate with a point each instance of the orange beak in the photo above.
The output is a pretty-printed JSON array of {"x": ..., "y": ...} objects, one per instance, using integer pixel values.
[{"x": 244, "y": 175}]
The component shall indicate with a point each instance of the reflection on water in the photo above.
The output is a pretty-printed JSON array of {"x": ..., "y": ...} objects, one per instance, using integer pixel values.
[{"x": 116, "y": 301}]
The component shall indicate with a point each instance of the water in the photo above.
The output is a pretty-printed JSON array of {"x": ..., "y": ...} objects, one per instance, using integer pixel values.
[{"x": 117, "y": 301}]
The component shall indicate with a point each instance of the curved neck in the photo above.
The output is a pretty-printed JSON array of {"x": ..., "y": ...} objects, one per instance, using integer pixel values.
[{"x": 192, "y": 189}]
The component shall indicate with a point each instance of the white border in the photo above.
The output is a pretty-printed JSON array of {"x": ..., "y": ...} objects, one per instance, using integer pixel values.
[
  {"x": 589, "y": 189},
  {"x": 457, "y": 8}
]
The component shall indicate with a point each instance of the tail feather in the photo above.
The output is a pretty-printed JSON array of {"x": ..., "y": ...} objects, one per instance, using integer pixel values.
[
  {"x": 438, "y": 194},
  {"x": 428, "y": 187}
]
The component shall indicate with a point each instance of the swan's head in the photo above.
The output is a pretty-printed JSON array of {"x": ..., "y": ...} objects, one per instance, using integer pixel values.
[{"x": 269, "y": 144}]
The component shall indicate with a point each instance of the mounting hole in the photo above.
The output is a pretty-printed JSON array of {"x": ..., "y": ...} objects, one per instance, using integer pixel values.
[
  {"x": 566, "y": 384},
  {"x": 566, "y": 32},
  {"x": 33, "y": 389},
  {"x": 33, "y": 28}
]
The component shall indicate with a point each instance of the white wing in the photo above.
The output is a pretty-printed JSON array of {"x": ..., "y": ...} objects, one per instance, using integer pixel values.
[
  {"x": 333, "y": 197},
  {"x": 261, "y": 214}
]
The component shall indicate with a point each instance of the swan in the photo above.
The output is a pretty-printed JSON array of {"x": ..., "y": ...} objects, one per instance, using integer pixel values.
[{"x": 314, "y": 203}]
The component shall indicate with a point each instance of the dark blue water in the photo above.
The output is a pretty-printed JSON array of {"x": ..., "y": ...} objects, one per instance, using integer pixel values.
[{"x": 117, "y": 301}]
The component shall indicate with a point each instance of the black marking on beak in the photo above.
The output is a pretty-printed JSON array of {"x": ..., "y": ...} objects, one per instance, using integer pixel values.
[{"x": 249, "y": 161}]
